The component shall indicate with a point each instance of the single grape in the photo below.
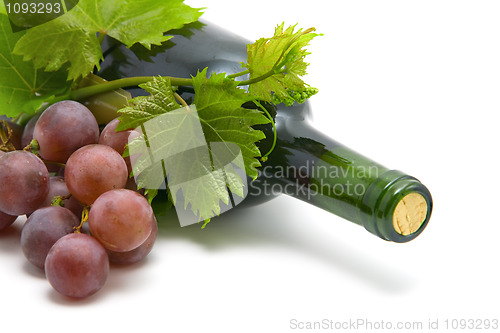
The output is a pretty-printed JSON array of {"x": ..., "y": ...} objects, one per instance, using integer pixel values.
[
  {"x": 63, "y": 128},
  {"x": 117, "y": 140},
  {"x": 42, "y": 229},
  {"x": 28, "y": 131},
  {"x": 77, "y": 265},
  {"x": 57, "y": 187},
  {"x": 6, "y": 220},
  {"x": 121, "y": 220},
  {"x": 24, "y": 182},
  {"x": 137, "y": 254},
  {"x": 93, "y": 170}
]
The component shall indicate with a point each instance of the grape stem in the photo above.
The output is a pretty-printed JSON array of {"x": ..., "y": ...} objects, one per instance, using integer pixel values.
[
  {"x": 32, "y": 147},
  {"x": 6, "y": 135},
  {"x": 59, "y": 200},
  {"x": 181, "y": 100},
  {"x": 85, "y": 217}
]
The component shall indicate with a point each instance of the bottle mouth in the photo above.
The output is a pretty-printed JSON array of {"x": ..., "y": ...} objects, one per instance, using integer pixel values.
[{"x": 396, "y": 207}]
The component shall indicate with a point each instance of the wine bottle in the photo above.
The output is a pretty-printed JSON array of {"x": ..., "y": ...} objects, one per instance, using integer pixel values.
[{"x": 305, "y": 163}]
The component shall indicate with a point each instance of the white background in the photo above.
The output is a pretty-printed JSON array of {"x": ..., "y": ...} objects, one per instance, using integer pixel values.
[{"x": 414, "y": 85}]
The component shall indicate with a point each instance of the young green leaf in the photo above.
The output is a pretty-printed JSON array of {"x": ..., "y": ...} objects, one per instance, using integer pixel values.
[
  {"x": 281, "y": 60},
  {"x": 143, "y": 108},
  {"x": 23, "y": 88},
  {"x": 128, "y": 21}
]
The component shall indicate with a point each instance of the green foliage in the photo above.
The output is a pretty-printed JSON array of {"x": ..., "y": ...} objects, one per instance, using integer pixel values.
[
  {"x": 23, "y": 87},
  {"x": 280, "y": 60},
  {"x": 143, "y": 108},
  {"x": 128, "y": 21},
  {"x": 199, "y": 148}
]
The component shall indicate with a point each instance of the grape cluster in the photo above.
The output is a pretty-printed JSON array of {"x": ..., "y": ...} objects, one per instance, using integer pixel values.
[{"x": 78, "y": 175}]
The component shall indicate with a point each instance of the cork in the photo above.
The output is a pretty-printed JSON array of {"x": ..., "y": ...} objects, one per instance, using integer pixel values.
[{"x": 409, "y": 214}]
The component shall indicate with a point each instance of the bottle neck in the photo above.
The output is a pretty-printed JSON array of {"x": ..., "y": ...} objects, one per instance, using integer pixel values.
[{"x": 312, "y": 167}]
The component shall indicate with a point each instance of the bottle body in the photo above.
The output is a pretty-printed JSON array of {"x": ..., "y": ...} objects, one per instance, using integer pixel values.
[{"x": 305, "y": 163}]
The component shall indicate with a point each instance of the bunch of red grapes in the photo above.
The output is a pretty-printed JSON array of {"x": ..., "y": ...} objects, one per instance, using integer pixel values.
[{"x": 83, "y": 210}]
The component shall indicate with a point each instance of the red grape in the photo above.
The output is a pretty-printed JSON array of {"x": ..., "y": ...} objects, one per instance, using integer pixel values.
[
  {"x": 117, "y": 140},
  {"x": 42, "y": 229},
  {"x": 121, "y": 220},
  {"x": 63, "y": 128},
  {"x": 77, "y": 265},
  {"x": 93, "y": 170},
  {"x": 24, "y": 182},
  {"x": 6, "y": 220},
  {"x": 137, "y": 254}
]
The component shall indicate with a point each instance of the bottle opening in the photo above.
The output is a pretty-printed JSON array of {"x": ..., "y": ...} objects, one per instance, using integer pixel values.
[{"x": 409, "y": 214}]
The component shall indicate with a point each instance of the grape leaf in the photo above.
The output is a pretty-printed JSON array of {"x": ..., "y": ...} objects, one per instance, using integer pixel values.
[
  {"x": 203, "y": 150},
  {"x": 219, "y": 103},
  {"x": 143, "y": 108},
  {"x": 128, "y": 21},
  {"x": 23, "y": 88},
  {"x": 284, "y": 55}
]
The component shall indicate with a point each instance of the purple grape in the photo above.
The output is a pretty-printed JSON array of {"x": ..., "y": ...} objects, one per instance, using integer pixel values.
[
  {"x": 117, "y": 140},
  {"x": 6, "y": 220},
  {"x": 63, "y": 128},
  {"x": 77, "y": 265},
  {"x": 42, "y": 229},
  {"x": 93, "y": 170},
  {"x": 24, "y": 182},
  {"x": 121, "y": 220},
  {"x": 137, "y": 254},
  {"x": 28, "y": 131}
]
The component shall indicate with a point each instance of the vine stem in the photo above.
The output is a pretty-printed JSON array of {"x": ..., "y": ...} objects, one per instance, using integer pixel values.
[
  {"x": 134, "y": 81},
  {"x": 122, "y": 83},
  {"x": 257, "y": 79},
  {"x": 275, "y": 133},
  {"x": 235, "y": 75},
  {"x": 181, "y": 100}
]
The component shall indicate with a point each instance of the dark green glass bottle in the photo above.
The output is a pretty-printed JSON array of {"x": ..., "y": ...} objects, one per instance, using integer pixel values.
[
  {"x": 305, "y": 163},
  {"x": 312, "y": 167}
]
